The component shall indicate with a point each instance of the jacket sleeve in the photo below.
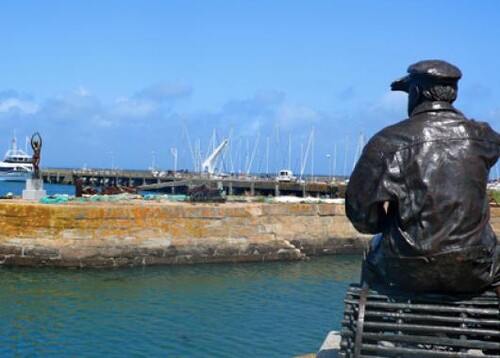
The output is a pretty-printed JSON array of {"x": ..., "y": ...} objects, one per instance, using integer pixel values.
[{"x": 367, "y": 189}]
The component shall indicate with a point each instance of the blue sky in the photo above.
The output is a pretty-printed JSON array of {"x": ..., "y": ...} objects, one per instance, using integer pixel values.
[{"x": 121, "y": 82}]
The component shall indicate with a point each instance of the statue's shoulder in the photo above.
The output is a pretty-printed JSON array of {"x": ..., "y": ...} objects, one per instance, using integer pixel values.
[
  {"x": 393, "y": 136},
  {"x": 485, "y": 130}
]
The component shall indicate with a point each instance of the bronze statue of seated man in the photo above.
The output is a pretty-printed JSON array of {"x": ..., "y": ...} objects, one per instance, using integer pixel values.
[{"x": 420, "y": 185}]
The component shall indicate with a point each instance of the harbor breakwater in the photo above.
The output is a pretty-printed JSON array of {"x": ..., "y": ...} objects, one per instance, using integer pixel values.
[{"x": 148, "y": 233}]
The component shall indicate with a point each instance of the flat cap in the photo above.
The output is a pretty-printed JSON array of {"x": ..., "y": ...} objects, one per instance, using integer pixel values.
[{"x": 438, "y": 71}]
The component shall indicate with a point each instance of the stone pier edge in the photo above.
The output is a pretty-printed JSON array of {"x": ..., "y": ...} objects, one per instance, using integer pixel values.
[{"x": 139, "y": 233}]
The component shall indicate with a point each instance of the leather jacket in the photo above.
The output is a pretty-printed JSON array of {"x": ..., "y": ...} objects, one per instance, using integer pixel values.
[{"x": 421, "y": 183}]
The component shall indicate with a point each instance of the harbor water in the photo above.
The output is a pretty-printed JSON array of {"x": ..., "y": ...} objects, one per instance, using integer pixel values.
[
  {"x": 16, "y": 188},
  {"x": 277, "y": 309},
  {"x": 272, "y": 309}
]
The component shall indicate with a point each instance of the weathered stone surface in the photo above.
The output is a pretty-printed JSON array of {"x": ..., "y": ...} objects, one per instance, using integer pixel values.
[
  {"x": 131, "y": 234},
  {"x": 41, "y": 252},
  {"x": 11, "y": 250}
]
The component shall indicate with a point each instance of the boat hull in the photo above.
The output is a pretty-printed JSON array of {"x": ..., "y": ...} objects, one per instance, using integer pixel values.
[{"x": 15, "y": 176}]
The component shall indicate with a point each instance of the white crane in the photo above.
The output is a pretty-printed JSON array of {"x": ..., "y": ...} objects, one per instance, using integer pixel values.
[{"x": 208, "y": 164}]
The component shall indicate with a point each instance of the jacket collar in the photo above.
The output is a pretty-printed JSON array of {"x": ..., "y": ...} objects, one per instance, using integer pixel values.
[{"x": 433, "y": 107}]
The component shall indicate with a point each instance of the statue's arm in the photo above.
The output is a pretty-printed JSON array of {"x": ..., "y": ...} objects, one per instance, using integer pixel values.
[
  {"x": 366, "y": 193},
  {"x": 367, "y": 217}
]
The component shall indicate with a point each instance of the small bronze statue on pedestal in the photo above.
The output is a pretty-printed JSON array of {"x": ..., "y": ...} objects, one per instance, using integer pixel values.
[
  {"x": 36, "y": 145},
  {"x": 34, "y": 186}
]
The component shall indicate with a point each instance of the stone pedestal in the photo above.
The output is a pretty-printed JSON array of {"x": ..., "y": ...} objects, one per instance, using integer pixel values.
[{"x": 34, "y": 189}]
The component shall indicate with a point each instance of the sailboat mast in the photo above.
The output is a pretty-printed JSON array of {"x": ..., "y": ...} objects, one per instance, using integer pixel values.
[
  {"x": 359, "y": 148},
  {"x": 334, "y": 158},
  {"x": 289, "y": 167},
  {"x": 173, "y": 151},
  {"x": 238, "y": 152},
  {"x": 277, "y": 162},
  {"x": 193, "y": 153},
  {"x": 312, "y": 155},
  {"x": 345, "y": 155},
  {"x": 198, "y": 155},
  {"x": 267, "y": 154},
  {"x": 304, "y": 161},
  {"x": 249, "y": 168}
]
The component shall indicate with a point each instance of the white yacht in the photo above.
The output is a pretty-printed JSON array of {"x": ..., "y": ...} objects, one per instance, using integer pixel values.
[{"x": 17, "y": 164}]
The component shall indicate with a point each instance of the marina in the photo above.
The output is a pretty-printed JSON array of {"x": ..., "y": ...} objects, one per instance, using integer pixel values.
[{"x": 179, "y": 183}]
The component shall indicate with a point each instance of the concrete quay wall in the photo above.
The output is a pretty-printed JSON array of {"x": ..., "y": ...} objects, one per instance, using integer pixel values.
[{"x": 148, "y": 233}]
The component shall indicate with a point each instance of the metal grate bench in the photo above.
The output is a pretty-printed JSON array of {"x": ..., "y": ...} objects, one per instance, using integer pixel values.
[{"x": 395, "y": 324}]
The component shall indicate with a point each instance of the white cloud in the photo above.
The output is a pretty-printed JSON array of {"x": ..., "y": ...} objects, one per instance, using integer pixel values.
[
  {"x": 71, "y": 107},
  {"x": 291, "y": 115},
  {"x": 269, "y": 97},
  {"x": 81, "y": 106},
  {"x": 82, "y": 92},
  {"x": 18, "y": 105},
  {"x": 132, "y": 108},
  {"x": 102, "y": 122},
  {"x": 254, "y": 127},
  {"x": 392, "y": 103},
  {"x": 166, "y": 91}
]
